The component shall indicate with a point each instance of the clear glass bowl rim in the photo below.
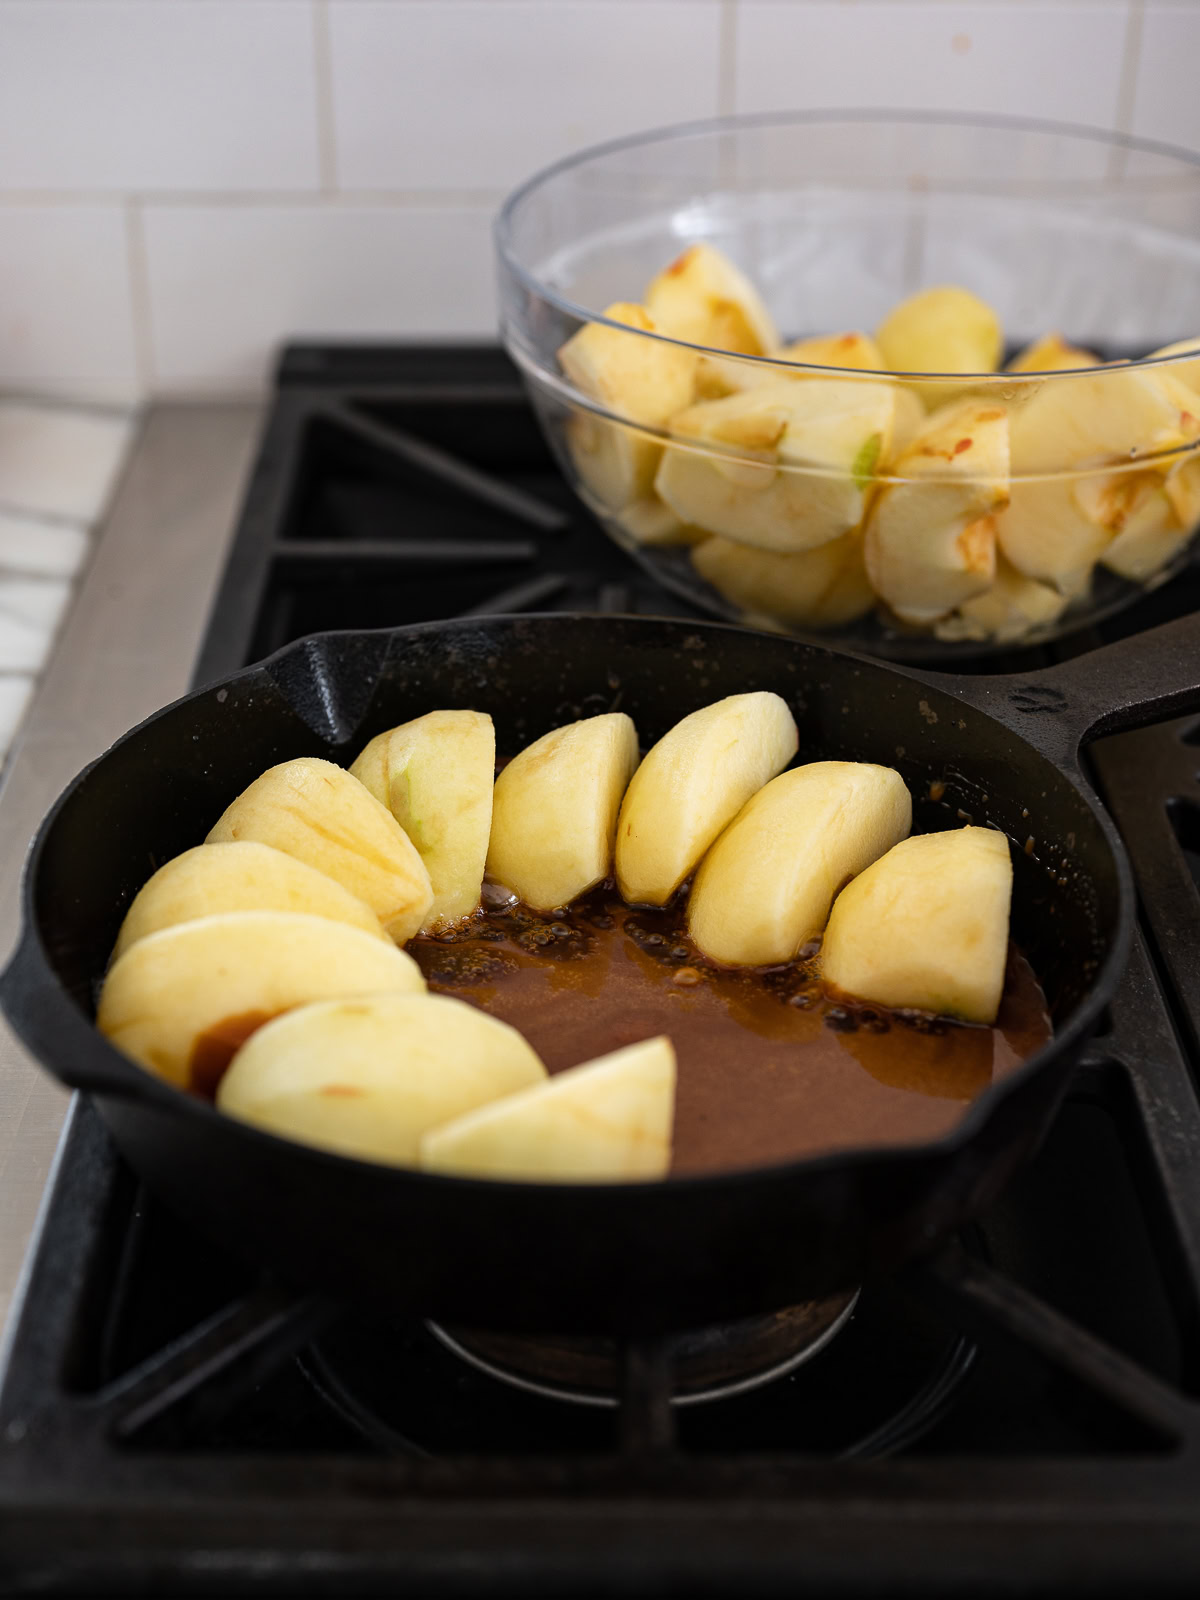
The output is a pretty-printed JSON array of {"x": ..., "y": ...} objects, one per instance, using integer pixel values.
[{"x": 502, "y": 228}]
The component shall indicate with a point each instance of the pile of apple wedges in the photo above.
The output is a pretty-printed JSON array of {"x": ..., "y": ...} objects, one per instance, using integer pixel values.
[
  {"x": 264, "y": 967},
  {"x": 818, "y": 480}
]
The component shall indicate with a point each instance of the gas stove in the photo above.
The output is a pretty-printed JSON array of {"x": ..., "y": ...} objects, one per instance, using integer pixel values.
[{"x": 1017, "y": 1414}]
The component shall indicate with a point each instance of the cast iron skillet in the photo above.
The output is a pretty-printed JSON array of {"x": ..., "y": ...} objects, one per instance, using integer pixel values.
[{"x": 593, "y": 1258}]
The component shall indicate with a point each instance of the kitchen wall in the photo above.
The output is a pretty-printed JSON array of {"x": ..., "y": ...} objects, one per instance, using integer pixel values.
[{"x": 185, "y": 182}]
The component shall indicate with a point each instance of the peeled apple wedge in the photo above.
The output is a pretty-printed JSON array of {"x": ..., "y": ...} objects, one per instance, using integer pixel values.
[
  {"x": 822, "y": 588},
  {"x": 555, "y": 810},
  {"x": 691, "y": 784},
  {"x": 718, "y": 376},
  {"x": 652, "y": 522},
  {"x": 435, "y": 776},
  {"x": 606, "y": 1121},
  {"x": 847, "y": 350},
  {"x": 1051, "y": 353},
  {"x": 930, "y": 540},
  {"x": 1136, "y": 507},
  {"x": 318, "y": 813},
  {"x": 1187, "y": 372},
  {"x": 368, "y": 1077},
  {"x": 1055, "y": 528},
  {"x": 1013, "y": 607},
  {"x": 786, "y": 466},
  {"x": 237, "y": 877},
  {"x": 704, "y": 299},
  {"x": 944, "y": 329},
  {"x": 645, "y": 380},
  {"x": 926, "y": 926},
  {"x": 1045, "y": 534},
  {"x": 1115, "y": 413},
  {"x": 765, "y": 887},
  {"x": 180, "y": 1002},
  {"x": 1182, "y": 486}
]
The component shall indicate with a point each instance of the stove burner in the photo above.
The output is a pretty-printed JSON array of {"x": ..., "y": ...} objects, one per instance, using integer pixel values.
[
  {"x": 709, "y": 1364},
  {"x": 851, "y": 1377}
]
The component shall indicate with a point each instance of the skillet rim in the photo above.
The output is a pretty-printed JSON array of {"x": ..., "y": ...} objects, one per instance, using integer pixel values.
[{"x": 167, "y": 1096}]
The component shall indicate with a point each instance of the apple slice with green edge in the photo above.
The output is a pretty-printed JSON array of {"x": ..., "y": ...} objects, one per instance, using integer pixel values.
[
  {"x": 785, "y": 466},
  {"x": 435, "y": 775},
  {"x": 318, "y": 813}
]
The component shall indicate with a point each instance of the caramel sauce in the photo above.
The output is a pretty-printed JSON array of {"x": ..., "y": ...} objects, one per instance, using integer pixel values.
[
  {"x": 216, "y": 1047},
  {"x": 771, "y": 1066}
]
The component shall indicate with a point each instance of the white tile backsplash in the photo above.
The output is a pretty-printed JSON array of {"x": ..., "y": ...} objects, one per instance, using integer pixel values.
[
  {"x": 1166, "y": 103},
  {"x": 59, "y": 463},
  {"x": 1061, "y": 62},
  {"x": 66, "y": 318},
  {"x": 157, "y": 94},
  {"x": 228, "y": 283},
  {"x": 58, "y": 468},
  {"x": 185, "y": 182},
  {"x": 477, "y": 94},
  {"x": 39, "y": 547},
  {"x": 15, "y": 691},
  {"x": 30, "y": 611}
]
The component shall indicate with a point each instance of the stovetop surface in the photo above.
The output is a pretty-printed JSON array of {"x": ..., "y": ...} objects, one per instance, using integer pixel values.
[{"x": 1018, "y": 1414}]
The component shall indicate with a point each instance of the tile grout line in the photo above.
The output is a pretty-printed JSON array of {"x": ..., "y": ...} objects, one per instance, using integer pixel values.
[
  {"x": 323, "y": 68},
  {"x": 727, "y": 59},
  {"x": 181, "y": 199},
  {"x": 47, "y": 519},
  {"x": 139, "y": 294},
  {"x": 1131, "y": 60}
]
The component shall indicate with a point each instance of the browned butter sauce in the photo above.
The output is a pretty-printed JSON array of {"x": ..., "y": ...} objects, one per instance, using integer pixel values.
[{"x": 770, "y": 1066}]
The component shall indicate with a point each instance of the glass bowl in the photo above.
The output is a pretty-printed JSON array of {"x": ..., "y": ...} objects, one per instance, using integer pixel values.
[{"x": 809, "y": 487}]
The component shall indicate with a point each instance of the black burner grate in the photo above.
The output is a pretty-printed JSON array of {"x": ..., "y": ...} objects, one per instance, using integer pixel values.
[{"x": 1019, "y": 1414}]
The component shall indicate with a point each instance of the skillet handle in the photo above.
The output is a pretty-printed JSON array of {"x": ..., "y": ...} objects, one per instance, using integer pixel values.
[
  {"x": 62, "y": 1039},
  {"x": 1147, "y": 677}
]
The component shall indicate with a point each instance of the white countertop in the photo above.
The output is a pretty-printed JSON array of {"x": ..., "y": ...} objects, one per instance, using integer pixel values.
[
  {"x": 59, "y": 465},
  {"x": 128, "y": 597}
]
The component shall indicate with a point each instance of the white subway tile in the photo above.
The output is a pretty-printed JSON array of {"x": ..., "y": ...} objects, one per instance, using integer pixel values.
[
  {"x": 1166, "y": 101},
  {"x": 480, "y": 93},
  {"x": 228, "y": 284},
  {"x": 30, "y": 611},
  {"x": 1056, "y": 61},
  {"x": 66, "y": 321},
  {"x": 41, "y": 548},
  {"x": 119, "y": 94},
  {"x": 15, "y": 692},
  {"x": 60, "y": 462}
]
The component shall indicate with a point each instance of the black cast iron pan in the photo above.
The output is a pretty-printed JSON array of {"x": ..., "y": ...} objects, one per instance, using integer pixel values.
[{"x": 593, "y": 1258}]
